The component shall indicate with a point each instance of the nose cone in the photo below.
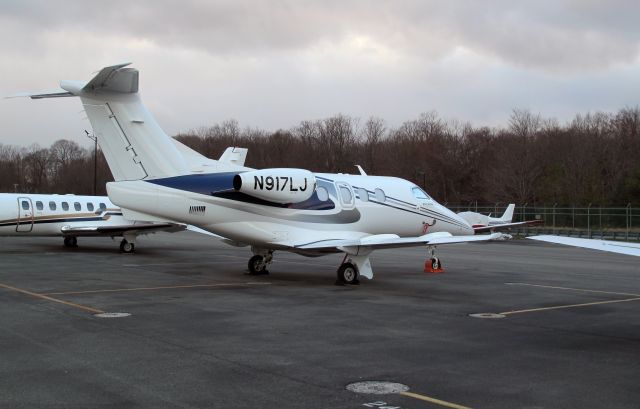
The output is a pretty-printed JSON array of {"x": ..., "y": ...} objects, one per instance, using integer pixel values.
[{"x": 458, "y": 225}]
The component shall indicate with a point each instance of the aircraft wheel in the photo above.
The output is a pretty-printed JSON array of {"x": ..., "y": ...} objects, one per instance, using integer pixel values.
[
  {"x": 70, "y": 242},
  {"x": 127, "y": 247},
  {"x": 435, "y": 263},
  {"x": 257, "y": 265},
  {"x": 348, "y": 274}
]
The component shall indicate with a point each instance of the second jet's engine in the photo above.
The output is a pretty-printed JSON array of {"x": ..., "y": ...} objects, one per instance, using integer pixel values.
[{"x": 279, "y": 185}]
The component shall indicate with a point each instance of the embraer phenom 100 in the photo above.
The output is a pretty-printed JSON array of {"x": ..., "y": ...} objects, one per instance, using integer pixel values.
[{"x": 158, "y": 179}]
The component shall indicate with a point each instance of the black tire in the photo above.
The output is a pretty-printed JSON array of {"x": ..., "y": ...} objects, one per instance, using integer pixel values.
[
  {"x": 348, "y": 274},
  {"x": 127, "y": 247},
  {"x": 67, "y": 242},
  {"x": 257, "y": 266},
  {"x": 435, "y": 263},
  {"x": 74, "y": 241}
]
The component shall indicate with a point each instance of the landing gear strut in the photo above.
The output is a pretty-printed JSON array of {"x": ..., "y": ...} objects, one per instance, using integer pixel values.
[
  {"x": 259, "y": 262},
  {"x": 71, "y": 241},
  {"x": 127, "y": 246}
]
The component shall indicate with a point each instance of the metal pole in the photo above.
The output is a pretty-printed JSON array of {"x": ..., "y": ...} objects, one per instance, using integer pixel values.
[
  {"x": 589, "y": 221},
  {"x": 554, "y": 218},
  {"x": 628, "y": 219}
]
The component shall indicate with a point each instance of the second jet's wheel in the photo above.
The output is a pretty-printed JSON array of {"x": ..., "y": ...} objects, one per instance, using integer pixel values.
[
  {"x": 257, "y": 265},
  {"x": 127, "y": 247},
  {"x": 70, "y": 242},
  {"x": 348, "y": 274}
]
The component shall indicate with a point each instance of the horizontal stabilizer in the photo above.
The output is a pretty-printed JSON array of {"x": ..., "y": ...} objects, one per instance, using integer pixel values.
[
  {"x": 114, "y": 79},
  {"x": 57, "y": 93}
]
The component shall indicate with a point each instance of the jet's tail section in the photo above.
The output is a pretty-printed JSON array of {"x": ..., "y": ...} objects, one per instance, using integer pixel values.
[
  {"x": 132, "y": 141},
  {"x": 508, "y": 214}
]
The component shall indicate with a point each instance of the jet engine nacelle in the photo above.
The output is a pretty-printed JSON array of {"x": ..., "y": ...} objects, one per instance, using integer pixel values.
[{"x": 282, "y": 185}]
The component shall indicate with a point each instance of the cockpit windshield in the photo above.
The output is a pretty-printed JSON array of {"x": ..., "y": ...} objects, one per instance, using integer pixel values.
[{"x": 420, "y": 194}]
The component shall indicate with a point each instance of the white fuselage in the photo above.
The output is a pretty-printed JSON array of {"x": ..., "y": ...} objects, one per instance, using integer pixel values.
[
  {"x": 46, "y": 215},
  {"x": 343, "y": 207}
]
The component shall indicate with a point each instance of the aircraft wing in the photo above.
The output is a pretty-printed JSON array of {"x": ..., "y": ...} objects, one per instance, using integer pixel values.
[
  {"x": 387, "y": 241},
  {"x": 620, "y": 247},
  {"x": 119, "y": 230},
  {"x": 494, "y": 227}
]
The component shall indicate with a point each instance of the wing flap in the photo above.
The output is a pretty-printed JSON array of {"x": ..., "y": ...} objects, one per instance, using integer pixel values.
[
  {"x": 385, "y": 241},
  {"x": 118, "y": 230}
]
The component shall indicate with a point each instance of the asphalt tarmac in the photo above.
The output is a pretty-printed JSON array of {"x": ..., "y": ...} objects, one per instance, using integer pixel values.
[{"x": 204, "y": 334}]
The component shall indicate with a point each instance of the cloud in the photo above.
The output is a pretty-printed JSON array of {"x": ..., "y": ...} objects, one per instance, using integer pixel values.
[{"x": 274, "y": 63}]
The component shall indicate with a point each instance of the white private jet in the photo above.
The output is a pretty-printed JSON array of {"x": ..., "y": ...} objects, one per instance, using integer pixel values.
[
  {"x": 72, "y": 216},
  {"x": 483, "y": 223},
  {"x": 157, "y": 179}
]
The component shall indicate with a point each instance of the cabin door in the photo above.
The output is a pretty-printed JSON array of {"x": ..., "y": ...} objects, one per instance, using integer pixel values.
[{"x": 25, "y": 215}]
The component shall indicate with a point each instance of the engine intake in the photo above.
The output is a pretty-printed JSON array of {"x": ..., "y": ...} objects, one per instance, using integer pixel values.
[{"x": 279, "y": 185}]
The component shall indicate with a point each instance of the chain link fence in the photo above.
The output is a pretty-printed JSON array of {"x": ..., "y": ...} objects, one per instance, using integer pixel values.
[{"x": 618, "y": 223}]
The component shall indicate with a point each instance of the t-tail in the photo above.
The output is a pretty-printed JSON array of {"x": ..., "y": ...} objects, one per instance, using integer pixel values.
[
  {"x": 508, "y": 214},
  {"x": 133, "y": 143}
]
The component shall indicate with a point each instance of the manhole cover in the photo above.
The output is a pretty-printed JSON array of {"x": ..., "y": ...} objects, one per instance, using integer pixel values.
[
  {"x": 377, "y": 387},
  {"x": 112, "y": 315},
  {"x": 490, "y": 315}
]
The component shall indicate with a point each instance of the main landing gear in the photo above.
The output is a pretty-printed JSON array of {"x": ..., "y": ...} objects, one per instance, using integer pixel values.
[
  {"x": 348, "y": 274},
  {"x": 71, "y": 241},
  {"x": 127, "y": 246},
  {"x": 259, "y": 262}
]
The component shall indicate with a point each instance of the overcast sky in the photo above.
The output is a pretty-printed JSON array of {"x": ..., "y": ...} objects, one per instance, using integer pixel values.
[{"x": 271, "y": 64}]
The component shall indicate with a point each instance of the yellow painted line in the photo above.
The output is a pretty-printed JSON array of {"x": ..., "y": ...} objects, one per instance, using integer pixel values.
[
  {"x": 434, "y": 400},
  {"x": 557, "y": 307},
  {"x": 45, "y": 297},
  {"x": 573, "y": 289},
  {"x": 168, "y": 287}
]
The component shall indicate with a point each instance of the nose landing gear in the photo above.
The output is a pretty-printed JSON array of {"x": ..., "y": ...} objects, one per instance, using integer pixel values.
[{"x": 432, "y": 264}]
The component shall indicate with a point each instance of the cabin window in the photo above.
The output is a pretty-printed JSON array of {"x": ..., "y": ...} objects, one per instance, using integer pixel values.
[
  {"x": 363, "y": 194},
  {"x": 65, "y": 206},
  {"x": 102, "y": 206},
  {"x": 322, "y": 193},
  {"x": 77, "y": 206},
  {"x": 420, "y": 194},
  {"x": 347, "y": 196},
  {"x": 25, "y": 205},
  {"x": 52, "y": 205},
  {"x": 39, "y": 205},
  {"x": 90, "y": 206},
  {"x": 380, "y": 196}
]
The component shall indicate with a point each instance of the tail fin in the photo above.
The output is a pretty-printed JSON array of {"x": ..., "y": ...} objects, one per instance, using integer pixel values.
[
  {"x": 132, "y": 141},
  {"x": 508, "y": 214}
]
